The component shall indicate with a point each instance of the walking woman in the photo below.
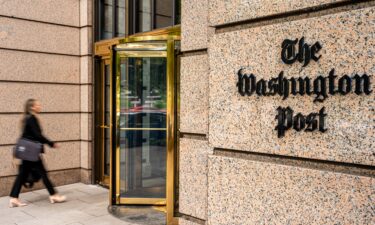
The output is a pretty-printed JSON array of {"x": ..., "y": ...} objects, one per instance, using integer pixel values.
[{"x": 32, "y": 131}]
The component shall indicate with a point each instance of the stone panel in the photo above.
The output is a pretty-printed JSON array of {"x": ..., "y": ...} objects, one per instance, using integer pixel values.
[
  {"x": 86, "y": 70},
  {"x": 86, "y": 41},
  {"x": 223, "y": 12},
  {"x": 54, "y": 11},
  {"x": 33, "y": 36},
  {"x": 248, "y": 122},
  {"x": 64, "y": 157},
  {"x": 194, "y": 95},
  {"x": 67, "y": 156},
  {"x": 86, "y": 98},
  {"x": 86, "y": 176},
  {"x": 58, "y": 178},
  {"x": 29, "y": 66},
  {"x": 57, "y": 127},
  {"x": 86, "y": 154},
  {"x": 53, "y": 97},
  {"x": 86, "y": 126},
  {"x": 193, "y": 177},
  {"x": 86, "y": 9},
  {"x": 194, "y": 24},
  {"x": 248, "y": 192}
]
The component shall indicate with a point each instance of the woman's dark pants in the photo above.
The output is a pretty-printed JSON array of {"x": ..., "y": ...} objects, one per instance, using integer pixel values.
[{"x": 24, "y": 171}]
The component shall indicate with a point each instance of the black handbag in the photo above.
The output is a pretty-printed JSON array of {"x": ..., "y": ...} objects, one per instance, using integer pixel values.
[{"x": 26, "y": 149}]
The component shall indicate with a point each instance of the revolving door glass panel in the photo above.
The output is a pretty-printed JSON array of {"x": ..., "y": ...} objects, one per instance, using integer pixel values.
[{"x": 143, "y": 131}]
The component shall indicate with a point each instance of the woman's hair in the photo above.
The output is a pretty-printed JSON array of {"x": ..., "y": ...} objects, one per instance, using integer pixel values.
[{"x": 28, "y": 111}]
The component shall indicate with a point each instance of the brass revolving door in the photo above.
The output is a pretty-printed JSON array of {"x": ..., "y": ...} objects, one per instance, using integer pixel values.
[{"x": 144, "y": 133}]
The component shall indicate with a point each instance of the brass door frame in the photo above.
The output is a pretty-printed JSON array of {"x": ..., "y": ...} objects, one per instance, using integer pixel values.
[
  {"x": 100, "y": 123},
  {"x": 105, "y": 49},
  {"x": 169, "y": 37},
  {"x": 105, "y": 62},
  {"x": 125, "y": 55}
]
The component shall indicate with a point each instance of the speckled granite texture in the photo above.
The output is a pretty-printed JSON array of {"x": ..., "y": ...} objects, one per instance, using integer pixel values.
[
  {"x": 54, "y": 11},
  {"x": 193, "y": 177},
  {"x": 194, "y": 94},
  {"x": 53, "y": 97},
  {"x": 194, "y": 24},
  {"x": 57, "y": 127},
  {"x": 248, "y": 122},
  {"x": 33, "y": 36},
  {"x": 27, "y": 66},
  {"x": 222, "y": 12},
  {"x": 243, "y": 192}
]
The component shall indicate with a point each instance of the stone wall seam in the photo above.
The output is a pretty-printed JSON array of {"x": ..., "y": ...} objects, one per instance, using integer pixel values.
[
  {"x": 308, "y": 163},
  {"x": 194, "y": 52},
  {"x": 41, "y": 52},
  {"x": 40, "y": 21},
  {"x": 294, "y": 15},
  {"x": 196, "y": 136},
  {"x": 192, "y": 219}
]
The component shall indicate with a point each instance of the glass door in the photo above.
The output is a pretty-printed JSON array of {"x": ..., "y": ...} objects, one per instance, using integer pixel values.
[
  {"x": 142, "y": 82},
  {"x": 103, "y": 122}
]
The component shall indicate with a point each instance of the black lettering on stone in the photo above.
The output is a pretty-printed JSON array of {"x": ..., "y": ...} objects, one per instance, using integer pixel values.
[
  {"x": 304, "y": 86},
  {"x": 299, "y": 122},
  {"x": 311, "y": 122},
  {"x": 320, "y": 89},
  {"x": 288, "y": 52},
  {"x": 363, "y": 81},
  {"x": 321, "y": 120},
  {"x": 345, "y": 85},
  {"x": 261, "y": 87},
  {"x": 284, "y": 119},
  {"x": 331, "y": 82}
]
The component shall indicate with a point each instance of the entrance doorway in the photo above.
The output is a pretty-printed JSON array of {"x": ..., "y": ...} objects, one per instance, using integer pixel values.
[{"x": 142, "y": 125}]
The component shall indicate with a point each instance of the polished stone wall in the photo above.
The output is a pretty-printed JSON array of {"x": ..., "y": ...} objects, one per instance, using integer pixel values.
[
  {"x": 45, "y": 53},
  {"x": 234, "y": 169}
]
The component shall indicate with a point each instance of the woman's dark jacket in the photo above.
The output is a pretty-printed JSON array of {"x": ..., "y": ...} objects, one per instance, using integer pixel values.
[{"x": 32, "y": 131}]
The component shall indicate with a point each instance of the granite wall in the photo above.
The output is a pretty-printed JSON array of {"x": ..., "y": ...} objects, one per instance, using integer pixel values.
[
  {"x": 235, "y": 167},
  {"x": 45, "y": 53}
]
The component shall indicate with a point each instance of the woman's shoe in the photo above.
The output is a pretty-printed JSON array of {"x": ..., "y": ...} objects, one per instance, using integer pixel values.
[
  {"x": 57, "y": 198},
  {"x": 15, "y": 202}
]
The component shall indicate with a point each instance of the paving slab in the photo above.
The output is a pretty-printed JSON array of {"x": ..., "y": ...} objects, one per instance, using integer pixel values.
[{"x": 85, "y": 205}]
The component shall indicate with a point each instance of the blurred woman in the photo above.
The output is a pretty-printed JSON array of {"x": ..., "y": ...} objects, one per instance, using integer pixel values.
[{"x": 33, "y": 132}]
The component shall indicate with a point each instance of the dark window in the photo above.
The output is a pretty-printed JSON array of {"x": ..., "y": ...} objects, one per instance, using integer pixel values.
[{"x": 118, "y": 18}]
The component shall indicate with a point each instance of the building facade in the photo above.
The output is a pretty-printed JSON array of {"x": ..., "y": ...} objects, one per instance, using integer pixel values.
[
  {"x": 46, "y": 54},
  {"x": 224, "y": 112}
]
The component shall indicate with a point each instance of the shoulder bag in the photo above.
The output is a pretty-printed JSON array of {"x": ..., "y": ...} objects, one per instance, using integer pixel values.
[{"x": 26, "y": 149}]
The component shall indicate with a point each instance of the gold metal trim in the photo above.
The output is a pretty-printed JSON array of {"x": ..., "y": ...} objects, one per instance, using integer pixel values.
[
  {"x": 170, "y": 130},
  {"x": 118, "y": 110},
  {"x": 164, "y": 129},
  {"x": 142, "y": 46},
  {"x": 142, "y": 53},
  {"x": 169, "y": 36},
  {"x": 143, "y": 201}
]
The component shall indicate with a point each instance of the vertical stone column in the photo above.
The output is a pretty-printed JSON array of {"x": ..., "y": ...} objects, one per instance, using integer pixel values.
[
  {"x": 194, "y": 149},
  {"x": 86, "y": 62}
]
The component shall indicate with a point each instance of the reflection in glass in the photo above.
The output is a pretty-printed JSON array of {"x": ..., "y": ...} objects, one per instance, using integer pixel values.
[
  {"x": 143, "y": 163},
  {"x": 142, "y": 127},
  {"x": 143, "y": 93},
  {"x": 163, "y": 13},
  {"x": 144, "y": 15},
  {"x": 121, "y": 12},
  {"x": 107, "y": 119},
  {"x": 106, "y": 19}
]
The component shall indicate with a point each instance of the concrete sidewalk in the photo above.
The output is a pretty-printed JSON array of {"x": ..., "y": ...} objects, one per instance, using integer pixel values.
[{"x": 86, "y": 204}]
